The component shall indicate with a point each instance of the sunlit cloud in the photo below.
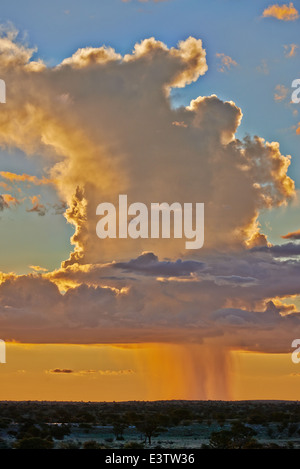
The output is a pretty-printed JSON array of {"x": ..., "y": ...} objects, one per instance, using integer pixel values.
[
  {"x": 290, "y": 50},
  {"x": 37, "y": 268},
  {"x": 226, "y": 62},
  {"x": 128, "y": 291},
  {"x": 12, "y": 177},
  {"x": 281, "y": 93},
  {"x": 293, "y": 235},
  {"x": 284, "y": 12},
  {"x": 37, "y": 207}
]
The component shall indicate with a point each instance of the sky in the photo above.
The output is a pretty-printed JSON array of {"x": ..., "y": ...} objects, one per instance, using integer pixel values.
[{"x": 164, "y": 101}]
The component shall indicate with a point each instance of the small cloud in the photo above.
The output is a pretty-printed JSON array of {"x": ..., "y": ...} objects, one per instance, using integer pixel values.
[
  {"x": 40, "y": 209},
  {"x": 59, "y": 208},
  {"x": 281, "y": 93},
  {"x": 293, "y": 235},
  {"x": 13, "y": 177},
  {"x": 281, "y": 12},
  {"x": 226, "y": 62},
  {"x": 37, "y": 268},
  {"x": 290, "y": 50},
  {"x": 3, "y": 204},
  {"x": 68, "y": 371},
  {"x": 179, "y": 124},
  {"x": 10, "y": 200}
]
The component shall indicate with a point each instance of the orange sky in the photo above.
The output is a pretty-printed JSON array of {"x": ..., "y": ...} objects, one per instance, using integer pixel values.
[{"x": 144, "y": 372}]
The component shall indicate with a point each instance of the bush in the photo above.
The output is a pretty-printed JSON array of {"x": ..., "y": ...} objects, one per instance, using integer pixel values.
[
  {"x": 70, "y": 445},
  {"x": 133, "y": 445},
  {"x": 92, "y": 444},
  {"x": 33, "y": 443}
]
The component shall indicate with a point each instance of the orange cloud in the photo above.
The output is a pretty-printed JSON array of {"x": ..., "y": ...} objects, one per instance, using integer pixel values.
[
  {"x": 281, "y": 93},
  {"x": 10, "y": 200},
  {"x": 226, "y": 62},
  {"x": 25, "y": 177},
  {"x": 290, "y": 50},
  {"x": 293, "y": 235},
  {"x": 282, "y": 12},
  {"x": 37, "y": 268},
  {"x": 37, "y": 207}
]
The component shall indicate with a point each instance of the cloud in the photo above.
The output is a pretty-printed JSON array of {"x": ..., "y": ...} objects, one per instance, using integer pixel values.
[
  {"x": 281, "y": 92},
  {"x": 3, "y": 203},
  {"x": 226, "y": 62},
  {"x": 89, "y": 55},
  {"x": 110, "y": 154},
  {"x": 148, "y": 264},
  {"x": 37, "y": 207},
  {"x": 12, "y": 177},
  {"x": 283, "y": 250},
  {"x": 284, "y": 12},
  {"x": 294, "y": 235},
  {"x": 37, "y": 268},
  {"x": 128, "y": 291},
  {"x": 236, "y": 299},
  {"x": 290, "y": 50},
  {"x": 90, "y": 372},
  {"x": 8, "y": 201}
]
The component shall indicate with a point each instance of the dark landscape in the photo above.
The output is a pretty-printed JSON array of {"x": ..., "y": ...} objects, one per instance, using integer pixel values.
[{"x": 160, "y": 424}]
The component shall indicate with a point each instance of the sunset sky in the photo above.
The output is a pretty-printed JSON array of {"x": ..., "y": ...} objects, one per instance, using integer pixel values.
[{"x": 164, "y": 101}]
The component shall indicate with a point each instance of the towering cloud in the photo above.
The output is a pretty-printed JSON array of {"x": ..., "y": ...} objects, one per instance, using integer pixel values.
[
  {"x": 284, "y": 12},
  {"x": 106, "y": 124}
]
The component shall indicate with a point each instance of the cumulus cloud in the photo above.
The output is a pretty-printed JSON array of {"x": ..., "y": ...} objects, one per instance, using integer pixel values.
[
  {"x": 107, "y": 127},
  {"x": 284, "y": 12},
  {"x": 237, "y": 299},
  {"x": 90, "y": 55},
  {"x": 108, "y": 153}
]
